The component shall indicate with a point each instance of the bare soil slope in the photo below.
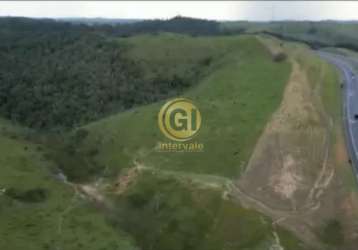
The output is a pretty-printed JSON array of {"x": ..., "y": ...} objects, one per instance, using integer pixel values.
[{"x": 298, "y": 171}]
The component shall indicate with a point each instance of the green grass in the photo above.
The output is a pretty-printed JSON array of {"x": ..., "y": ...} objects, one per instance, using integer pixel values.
[
  {"x": 332, "y": 233},
  {"x": 164, "y": 213},
  {"x": 173, "y": 54},
  {"x": 34, "y": 225},
  {"x": 236, "y": 99},
  {"x": 332, "y": 93}
]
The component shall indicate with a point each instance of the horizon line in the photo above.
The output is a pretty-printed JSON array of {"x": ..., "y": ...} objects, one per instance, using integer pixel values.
[{"x": 168, "y": 18}]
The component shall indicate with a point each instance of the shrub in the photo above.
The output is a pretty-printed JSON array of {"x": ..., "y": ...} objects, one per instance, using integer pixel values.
[
  {"x": 206, "y": 61},
  {"x": 31, "y": 195},
  {"x": 332, "y": 233},
  {"x": 279, "y": 57}
]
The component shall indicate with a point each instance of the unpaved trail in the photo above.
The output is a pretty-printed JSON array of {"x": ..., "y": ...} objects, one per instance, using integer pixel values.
[
  {"x": 289, "y": 220},
  {"x": 324, "y": 178}
]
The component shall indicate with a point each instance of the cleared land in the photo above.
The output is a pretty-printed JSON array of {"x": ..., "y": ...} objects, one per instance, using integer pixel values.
[{"x": 298, "y": 171}]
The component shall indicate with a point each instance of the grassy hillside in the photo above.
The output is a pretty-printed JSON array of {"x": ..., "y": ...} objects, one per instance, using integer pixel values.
[
  {"x": 242, "y": 87},
  {"x": 164, "y": 212},
  {"x": 39, "y": 212},
  {"x": 173, "y": 54}
]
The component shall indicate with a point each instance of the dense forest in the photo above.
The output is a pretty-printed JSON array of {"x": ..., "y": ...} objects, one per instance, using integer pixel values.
[
  {"x": 58, "y": 74},
  {"x": 182, "y": 25}
]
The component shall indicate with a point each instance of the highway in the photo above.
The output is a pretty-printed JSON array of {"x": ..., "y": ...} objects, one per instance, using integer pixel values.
[{"x": 350, "y": 104}]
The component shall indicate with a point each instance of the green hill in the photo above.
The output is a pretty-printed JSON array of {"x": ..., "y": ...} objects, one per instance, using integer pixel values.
[
  {"x": 39, "y": 212},
  {"x": 236, "y": 97},
  {"x": 122, "y": 193}
]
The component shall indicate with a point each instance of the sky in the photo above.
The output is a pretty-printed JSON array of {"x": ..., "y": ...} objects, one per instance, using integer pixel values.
[{"x": 218, "y": 10}]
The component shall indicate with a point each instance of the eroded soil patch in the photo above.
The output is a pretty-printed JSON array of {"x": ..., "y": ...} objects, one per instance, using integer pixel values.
[{"x": 291, "y": 152}]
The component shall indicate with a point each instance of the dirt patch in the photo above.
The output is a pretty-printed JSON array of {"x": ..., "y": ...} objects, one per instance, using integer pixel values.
[
  {"x": 123, "y": 181},
  {"x": 298, "y": 173},
  {"x": 340, "y": 150},
  {"x": 292, "y": 166},
  {"x": 291, "y": 151},
  {"x": 287, "y": 180},
  {"x": 274, "y": 46},
  {"x": 298, "y": 109},
  {"x": 92, "y": 192},
  {"x": 350, "y": 205}
]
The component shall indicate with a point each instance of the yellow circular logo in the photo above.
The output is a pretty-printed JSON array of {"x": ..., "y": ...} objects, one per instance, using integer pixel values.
[{"x": 179, "y": 119}]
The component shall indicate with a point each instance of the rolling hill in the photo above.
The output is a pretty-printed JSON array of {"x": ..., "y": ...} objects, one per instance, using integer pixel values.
[{"x": 97, "y": 181}]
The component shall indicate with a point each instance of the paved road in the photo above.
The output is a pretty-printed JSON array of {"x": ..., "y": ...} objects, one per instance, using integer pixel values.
[{"x": 350, "y": 103}]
